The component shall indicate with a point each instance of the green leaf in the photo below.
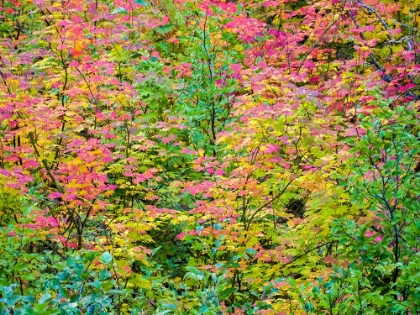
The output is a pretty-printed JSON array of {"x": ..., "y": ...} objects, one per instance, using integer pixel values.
[
  {"x": 155, "y": 250},
  {"x": 44, "y": 298},
  {"x": 104, "y": 274},
  {"x": 119, "y": 10},
  {"x": 142, "y": 2},
  {"x": 227, "y": 292},
  {"x": 106, "y": 258}
]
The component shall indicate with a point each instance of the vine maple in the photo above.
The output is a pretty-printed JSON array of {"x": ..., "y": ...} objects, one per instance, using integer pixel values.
[{"x": 207, "y": 157}]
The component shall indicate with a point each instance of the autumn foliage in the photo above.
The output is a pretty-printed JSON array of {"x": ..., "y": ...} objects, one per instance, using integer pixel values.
[{"x": 209, "y": 157}]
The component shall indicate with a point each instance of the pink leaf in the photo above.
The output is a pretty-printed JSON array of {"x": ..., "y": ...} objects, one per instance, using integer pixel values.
[
  {"x": 55, "y": 195},
  {"x": 378, "y": 239},
  {"x": 236, "y": 67},
  {"x": 220, "y": 172},
  {"x": 72, "y": 245},
  {"x": 369, "y": 233}
]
